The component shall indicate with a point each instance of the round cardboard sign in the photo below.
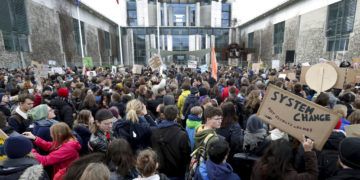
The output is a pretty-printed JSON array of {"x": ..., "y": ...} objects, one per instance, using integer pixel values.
[{"x": 321, "y": 77}]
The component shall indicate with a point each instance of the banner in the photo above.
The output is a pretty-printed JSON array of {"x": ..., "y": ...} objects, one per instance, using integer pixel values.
[
  {"x": 155, "y": 62},
  {"x": 91, "y": 73},
  {"x": 3, "y": 137},
  {"x": 192, "y": 64},
  {"x": 233, "y": 62},
  {"x": 297, "y": 116},
  {"x": 88, "y": 62},
  {"x": 256, "y": 67},
  {"x": 275, "y": 64},
  {"x": 58, "y": 70},
  {"x": 214, "y": 65},
  {"x": 136, "y": 69},
  {"x": 113, "y": 69}
]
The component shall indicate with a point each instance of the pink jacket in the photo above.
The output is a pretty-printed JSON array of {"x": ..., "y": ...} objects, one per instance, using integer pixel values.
[{"x": 60, "y": 158}]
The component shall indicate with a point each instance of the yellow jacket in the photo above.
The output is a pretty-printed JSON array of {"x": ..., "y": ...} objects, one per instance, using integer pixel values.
[{"x": 181, "y": 101}]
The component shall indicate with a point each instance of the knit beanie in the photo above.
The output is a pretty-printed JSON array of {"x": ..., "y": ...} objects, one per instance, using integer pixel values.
[
  {"x": 63, "y": 92},
  {"x": 17, "y": 147},
  {"x": 349, "y": 152},
  {"x": 103, "y": 114}
]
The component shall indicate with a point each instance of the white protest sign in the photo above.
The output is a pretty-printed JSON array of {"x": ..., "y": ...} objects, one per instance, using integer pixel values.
[
  {"x": 321, "y": 77},
  {"x": 192, "y": 64},
  {"x": 297, "y": 116},
  {"x": 136, "y": 69},
  {"x": 275, "y": 64}
]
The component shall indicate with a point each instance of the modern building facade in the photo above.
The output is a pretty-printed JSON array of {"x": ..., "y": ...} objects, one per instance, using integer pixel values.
[
  {"x": 300, "y": 31},
  {"x": 184, "y": 25}
]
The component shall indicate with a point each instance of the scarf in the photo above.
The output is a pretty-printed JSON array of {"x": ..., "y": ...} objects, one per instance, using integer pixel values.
[{"x": 251, "y": 140}]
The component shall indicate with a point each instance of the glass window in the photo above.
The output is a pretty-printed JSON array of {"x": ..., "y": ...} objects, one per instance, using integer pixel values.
[
  {"x": 139, "y": 49},
  {"x": 77, "y": 34},
  {"x": 279, "y": 30},
  {"x": 251, "y": 40},
  {"x": 225, "y": 15},
  {"x": 340, "y": 24},
  {"x": 131, "y": 13}
]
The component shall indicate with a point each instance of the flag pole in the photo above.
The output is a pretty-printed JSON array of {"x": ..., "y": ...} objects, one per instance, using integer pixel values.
[{"x": 80, "y": 32}]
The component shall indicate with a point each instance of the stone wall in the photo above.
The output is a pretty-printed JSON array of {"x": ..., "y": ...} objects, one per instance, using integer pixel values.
[{"x": 44, "y": 34}]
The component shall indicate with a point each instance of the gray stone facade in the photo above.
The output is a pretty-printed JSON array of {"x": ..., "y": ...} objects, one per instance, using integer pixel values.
[
  {"x": 306, "y": 34},
  {"x": 46, "y": 43}
]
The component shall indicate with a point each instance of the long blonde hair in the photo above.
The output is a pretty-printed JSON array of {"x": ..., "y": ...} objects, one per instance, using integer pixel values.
[{"x": 133, "y": 109}]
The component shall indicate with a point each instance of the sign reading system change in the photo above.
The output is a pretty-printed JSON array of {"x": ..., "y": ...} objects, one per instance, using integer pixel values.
[{"x": 297, "y": 116}]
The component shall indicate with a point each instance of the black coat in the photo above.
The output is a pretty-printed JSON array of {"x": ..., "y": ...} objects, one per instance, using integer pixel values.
[
  {"x": 347, "y": 174},
  {"x": 172, "y": 145},
  {"x": 12, "y": 169},
  {"x": 190, "y": 102},
  {"x": 63, "y": 110},
  {"x": 136, "y": 134},
  {"x": 85, "y": 135},
  {"x": 18, "y": 123}
]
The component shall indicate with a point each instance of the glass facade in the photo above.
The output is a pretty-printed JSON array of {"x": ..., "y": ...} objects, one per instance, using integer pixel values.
[
  {"x": 131, "y": 13},
  {"x": 279, "y": 30},
  {"x": 340, "y": 24},
  {"x": 177, "y": 30}
]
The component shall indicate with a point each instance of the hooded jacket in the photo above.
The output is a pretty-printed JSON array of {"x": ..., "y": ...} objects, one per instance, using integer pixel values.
[
  {"x": 181, "y": 101},
  {"x": 136, "y": 134},
  {"x": 201, "y": 134},
  {"x": 64, "y": 111},
  {"x": 22, "y": 168},
  {"x": 60, "y": 158},
  {"x": 210, "y": 171},
  {"x": 192, "y": 123},
  {"x": 172, "y": 145}
]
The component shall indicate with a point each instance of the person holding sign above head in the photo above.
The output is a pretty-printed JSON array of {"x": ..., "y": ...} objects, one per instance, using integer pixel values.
[{"x": 277, "y": 162}]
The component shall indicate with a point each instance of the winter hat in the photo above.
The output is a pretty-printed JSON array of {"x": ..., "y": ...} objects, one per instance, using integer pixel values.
[
  {"x": 39, "y": 112},
  {"x": 194, "y": 90},
  {"x": 103, "y": 114},
  {"x": 115, "y": 111},
  {"x": 17, "y": 147},
  {"x": 63, "y": 92},
  {"x": 254, "y": 124},
  {"x": 47, "y": 88},
  {"x": 349, "y": 152},
  {"x": 169, "y": 100},
  {"x": 203, "y": 91}
]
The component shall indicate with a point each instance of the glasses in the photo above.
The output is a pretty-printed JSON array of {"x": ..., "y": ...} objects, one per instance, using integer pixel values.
[{"x": 217, "y": 119}]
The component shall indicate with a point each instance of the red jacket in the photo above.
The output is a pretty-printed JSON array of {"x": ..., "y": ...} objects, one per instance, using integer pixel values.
[
  {"x": 225, "y": 92},
  {"x": 60, "y": 158}
]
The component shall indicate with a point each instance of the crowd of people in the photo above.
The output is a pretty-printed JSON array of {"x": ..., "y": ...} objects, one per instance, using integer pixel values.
[{"x": 182, "y": 124}]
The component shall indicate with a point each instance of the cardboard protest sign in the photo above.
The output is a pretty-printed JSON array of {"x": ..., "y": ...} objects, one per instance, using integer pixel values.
[
  {"x": 192, "y": 64},
  {"x": 233, "y": 62},
  {"x": 297, "y": 116},
  {"x": 136, "y": 69},
  {"x": 256, "y": 67},
  {"x": 155, "y": 62},
  {"x": 275, "y": 64},
  {"x": 352, "y": 130},
  {"x": 341, "y": 73},
  {"x": 352, "y": 76},
  {"x": 356, "y": 60},
  {"x": 91, "y": 73},
  {"x": 3, "y": 137},
  {"x": 88, "y": 62},
  {"x": 113, "y": 69},
  {"x": 304, "y": 70},
  {"x": 282, "y": 76},
  {"x": 58, "y": 70},
  {"x": 291, "y": 75},
  {"x": 321, "y": 77}
]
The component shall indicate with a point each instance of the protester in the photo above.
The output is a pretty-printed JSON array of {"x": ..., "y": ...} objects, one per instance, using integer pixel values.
[
  {"x": 101, "y": 131},
  {"x": 121, "y": 160},
  {"x": 18, "y": 164},
  {"x": 19, "y": 120},
  {"x": 96, "y": 171},
  {"x": 63, "y": 150},
  {"x": 82, "y": 126},
  {"x": 193, "y": 122},
  {"x": 172, "y": 145},
  {"x": 276, "y": 163},
  {"x": 216, "y": 167},
  {"x": 43, "y": 117},
  {"x": 147, "y": 165},
  {"x": 349, "y": 159},
  {"x": 77, "y": 168}
]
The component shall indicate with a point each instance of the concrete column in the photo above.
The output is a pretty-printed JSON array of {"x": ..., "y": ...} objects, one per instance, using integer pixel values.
[
  {"x": 187, "y": 16},
  {"x": 197, "y": 14},
  {"x": 165, "y": 10}
]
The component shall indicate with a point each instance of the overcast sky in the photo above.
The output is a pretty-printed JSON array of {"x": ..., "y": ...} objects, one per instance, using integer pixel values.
[{"x": 245, "y": 10}]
